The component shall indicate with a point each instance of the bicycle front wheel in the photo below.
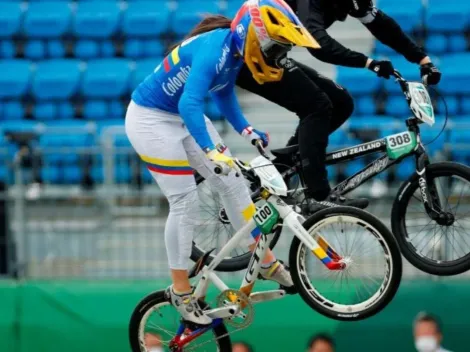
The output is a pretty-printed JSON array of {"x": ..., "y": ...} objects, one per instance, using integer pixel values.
[
  {"x": 435, "y": 247},
  {"x": 154, "y": 323},
  {"x": 373, "y": 264}
]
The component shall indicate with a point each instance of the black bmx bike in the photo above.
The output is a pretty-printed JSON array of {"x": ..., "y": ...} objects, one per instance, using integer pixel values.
[{"x": 425, "y": 216}]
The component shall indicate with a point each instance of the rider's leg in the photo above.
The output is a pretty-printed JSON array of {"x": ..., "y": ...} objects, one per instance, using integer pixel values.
[
  {"x": 231, "y": 189},
  {"x": 158, "y": 139},
  {"x": 236, "y": 199}
]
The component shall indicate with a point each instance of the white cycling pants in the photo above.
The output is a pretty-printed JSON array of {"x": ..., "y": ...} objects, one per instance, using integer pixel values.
[{"x": 171, "y": 154}]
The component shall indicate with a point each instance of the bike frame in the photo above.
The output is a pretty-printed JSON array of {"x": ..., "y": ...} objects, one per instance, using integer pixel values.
[{"x": 430, "y": 200}]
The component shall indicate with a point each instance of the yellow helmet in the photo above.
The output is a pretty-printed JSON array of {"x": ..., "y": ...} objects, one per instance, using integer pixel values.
[{"x": 265, "y": 30}]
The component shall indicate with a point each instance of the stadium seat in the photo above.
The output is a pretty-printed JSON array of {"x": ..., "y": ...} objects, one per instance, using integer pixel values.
[
  {"x": 86, "y": 49},
  {"x": 95, "y": 110},
  {"x": 35, "y": 50},
  {"x": 50, "y": 174},
  {"x": 453, "y": 105},
  {"x": 143, "y": 69},
  {"x": 428, "y": 138},
  {"x": 407, "y": 14},
  {"x": 56, "y": 79},
  {"x": 358, "y": 81},
  {"x": 45, "y": 111},
  {"x": 106, "y": 78},
  {"x": 97, "y": 174},
  {"x": 436, "y": 43},
  {"x": 15, "y": 78},
  {"x": 122, "y": 173},
  {"x": 405, "y": 169},
  {"x": 382, "y": 49},
  {"x": 96, "y": 19},
  {"x": 146, "y": 19},
  {"x": 457, "y": 43},
  {"x": 21, "y": 126},
  {"x": 10, "y": 18},
  {"x": 385, "y": 125},
  {"x": 107, "y": 49},
  {"x": 55, "y": 49},
  {"x": 456, "y": 79},
  {"x": 72, "y": 174},
  {"x": 447, "y": 16},
  {"x": 65, "y": 111},
  {"x": 365, "y": 105},
  {"x": 188, "y": 15},
  {"x": 47, "y": 19},
  {"x": 13, "y": 110},
  {"x": 153, "y": 48},
  {"x": 134, "y": 48},
  {"x": 397, "y": 106},
  {"x": 7, "y": 49},
  {"x": 115, "y": 109}
]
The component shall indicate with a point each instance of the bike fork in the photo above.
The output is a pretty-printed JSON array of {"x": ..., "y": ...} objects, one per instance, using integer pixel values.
[{"x": 428, "y": 190}]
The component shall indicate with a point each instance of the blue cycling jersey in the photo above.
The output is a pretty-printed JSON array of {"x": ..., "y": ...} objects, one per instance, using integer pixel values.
[{"x": 202, "y": 64}]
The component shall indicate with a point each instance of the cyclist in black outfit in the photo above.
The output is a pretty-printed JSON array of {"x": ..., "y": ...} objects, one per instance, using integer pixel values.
[{"x": 322, "y": 105}]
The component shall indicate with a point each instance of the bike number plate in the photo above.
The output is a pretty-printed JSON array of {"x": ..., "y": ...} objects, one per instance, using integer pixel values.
[
  {"x": 266, "y": 217},
  {"x": 400, "y": 144}
]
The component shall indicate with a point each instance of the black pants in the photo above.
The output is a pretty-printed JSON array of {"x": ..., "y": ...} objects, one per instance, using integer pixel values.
[{"x": 321, "y": 105}]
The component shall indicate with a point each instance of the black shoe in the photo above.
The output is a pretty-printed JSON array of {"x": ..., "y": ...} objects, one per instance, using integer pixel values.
[{"x": 334, "y": 200}]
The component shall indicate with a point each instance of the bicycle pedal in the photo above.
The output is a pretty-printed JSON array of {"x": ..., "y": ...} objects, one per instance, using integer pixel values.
[{"x": 258, "y": 297}]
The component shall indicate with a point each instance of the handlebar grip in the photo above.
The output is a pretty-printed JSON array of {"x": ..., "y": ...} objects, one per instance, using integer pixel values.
[{"x": 222, "y": 169}]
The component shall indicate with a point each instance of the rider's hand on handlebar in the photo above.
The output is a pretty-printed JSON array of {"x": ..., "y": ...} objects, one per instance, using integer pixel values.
[
  {"x": 252, "y": 134},
  {"x": 221, "y": 160},
  {"x": 381, "y": 68},
  {"x": 431, "y": 72}
]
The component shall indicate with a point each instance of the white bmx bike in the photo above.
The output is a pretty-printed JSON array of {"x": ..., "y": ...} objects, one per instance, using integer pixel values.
[{"x": 344, "y": 262}]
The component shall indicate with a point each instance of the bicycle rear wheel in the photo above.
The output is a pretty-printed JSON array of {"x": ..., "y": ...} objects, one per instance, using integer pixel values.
[
  {"x": 148, "y": 330},
  {"x": 436, "y": 249},
  {"x": 373, "y": 264}
]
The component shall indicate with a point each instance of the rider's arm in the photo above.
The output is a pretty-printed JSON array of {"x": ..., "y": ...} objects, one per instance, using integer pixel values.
[
  {"x": 387, "y": 30},
  {"x": 191, "y": 104},
  {"x": 227, "y": 102},
  {"x": 331, "y": 51}
]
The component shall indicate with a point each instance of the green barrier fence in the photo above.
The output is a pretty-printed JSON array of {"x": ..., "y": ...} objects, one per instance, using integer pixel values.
[{"x": 92, "y": 316}]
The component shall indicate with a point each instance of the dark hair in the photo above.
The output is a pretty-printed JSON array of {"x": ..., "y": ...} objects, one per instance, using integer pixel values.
[
  {"x": 246, "y": 345},
  {"x": 209, "y": 23},
  {"x": 424, "y": 317},
  {"x": 321, "y": 337}
]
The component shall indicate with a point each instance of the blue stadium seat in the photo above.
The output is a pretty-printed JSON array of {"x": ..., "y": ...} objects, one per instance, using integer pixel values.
[
  {"x": 72, "y": 174},
  {"x": 20, "y": 126},
  {"x": 50, "y": 174},
  {"x": 95, "y": 110},
  {"x": 408, "y": 70},
  {"x": 436, "y": 43},
  {"x": 47, "y": 19},
  {"x": 15, "y": 78},
  {"x": 56, "y": 79},
  {"x": 122, "y": 173},
  {"x": 365, "y": 105},
  {"x": 107, "y": 49},
  {"x": 35, "y": 50},
  {"x": 116, "y": 109},
  {"x": 134, "y": 48},
  {"x": 405, "y": 169},
  {"x": 146, "y": 19},
  {"x": 337, "y": 139},
  {"x": 457, "y": 43},
  {"x": 382, "y": 49},
  {"x": 428, "y": 134},
  {"x": 458, "y": 140},
  {"x": 13, "y": 110},
  {"x": 153, "y": 48},
  {"x": 45, "y": 111},
  {"x": 97, "y": 174},
  {"x": 385, "y": 125},
  {"x": 55, "y": 49},
  {"x": 106, "y": 78},
  {"x": 96, "y": 19},
  {"x": 187, "y": 15},
  {"x": 86, "y": 49},
  {"x": 453, "y": 105},
  {"x": 407, "y": 14},
  {"x": 10, "y": 18},
  {"x": 143, "y": 69},
  {"x": 397, "y": 106},
  {"x": 456, "y": 79},
  {"x": 447, "y": 16},
  {"x": 7, "y": 49},
  {"x": 358, "y": 81},
  {"x": 65, "y": 110}
]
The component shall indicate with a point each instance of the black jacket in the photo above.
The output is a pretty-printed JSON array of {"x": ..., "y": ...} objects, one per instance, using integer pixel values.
[{"x": 323, "y": 13}]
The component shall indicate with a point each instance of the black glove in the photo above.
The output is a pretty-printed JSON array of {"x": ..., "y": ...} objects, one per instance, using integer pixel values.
[
  {"x": 382, "y": 68},
  {"x": 431, "y": 73}
]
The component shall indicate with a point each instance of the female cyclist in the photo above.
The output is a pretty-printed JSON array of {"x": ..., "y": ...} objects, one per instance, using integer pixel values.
[{"x": 167, "y": 128}]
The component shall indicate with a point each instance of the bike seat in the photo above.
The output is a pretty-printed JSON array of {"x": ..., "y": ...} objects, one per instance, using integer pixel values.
[{"x": 286, "y": 151}]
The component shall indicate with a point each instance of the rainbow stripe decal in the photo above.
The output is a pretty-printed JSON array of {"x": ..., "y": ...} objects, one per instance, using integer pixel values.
[
  {"x": 321, "y": 254},
  {"x": 248, "y": 213},
  {"x": 175, "y": 59},
  {"x": 168, "y": 167}
]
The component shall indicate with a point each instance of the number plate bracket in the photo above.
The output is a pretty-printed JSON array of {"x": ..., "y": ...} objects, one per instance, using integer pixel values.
[{"x": 266, "y": 217}]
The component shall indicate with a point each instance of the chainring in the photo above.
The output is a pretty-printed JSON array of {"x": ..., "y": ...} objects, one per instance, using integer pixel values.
[{"x": 247, "y": 312}]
